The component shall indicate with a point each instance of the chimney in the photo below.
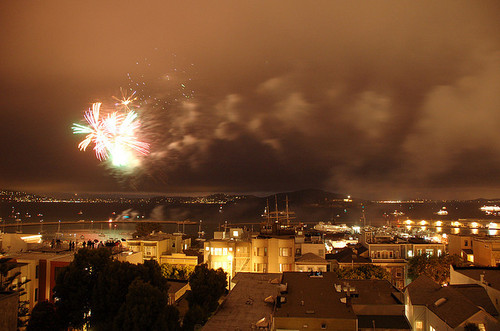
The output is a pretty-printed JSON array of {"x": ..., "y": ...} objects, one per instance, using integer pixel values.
[{"x": 481, "y": 279}]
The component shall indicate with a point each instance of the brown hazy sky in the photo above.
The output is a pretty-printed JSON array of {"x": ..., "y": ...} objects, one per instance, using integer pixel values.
[{"x": 378, "y": 99}]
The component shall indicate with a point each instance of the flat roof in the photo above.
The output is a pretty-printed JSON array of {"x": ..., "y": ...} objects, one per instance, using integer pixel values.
[
  {"x": 373, "y": 292},
  {"x": 176, "y": 285},
  {"x": 65, "y": 256},
  {"x": 313, "y": 296},
  {"x": 245, "y": 305}
]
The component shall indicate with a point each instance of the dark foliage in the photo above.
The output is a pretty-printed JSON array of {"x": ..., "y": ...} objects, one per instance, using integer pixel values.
[
  {"x": 44, "y": 318},
  {"x": 95, "y": 283},
  {"x": 146, "y": 308},
  {"x": 207, "y": 286},
  {"x": 435, "y": 267},
  {"x": 368, "y": 271}
]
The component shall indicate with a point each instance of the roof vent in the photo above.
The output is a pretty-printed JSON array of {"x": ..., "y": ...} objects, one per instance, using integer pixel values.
[
  {"x": 269, "y": 299},
  {"x": 338, "y": 288},
  {"x": 274, "y": 281},
  {"x": 439, "y": 302}
]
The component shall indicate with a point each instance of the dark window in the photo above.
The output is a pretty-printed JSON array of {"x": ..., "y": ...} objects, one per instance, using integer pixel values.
[
  {"x": 36, "y": 294},
  {"x": 466, "y": 243},
  {"x": 323, "y": 326},
  {"x": 37, "y": 271}
]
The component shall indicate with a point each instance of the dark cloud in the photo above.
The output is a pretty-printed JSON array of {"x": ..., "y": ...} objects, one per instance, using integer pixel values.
[{"x": 377, "y": 99}]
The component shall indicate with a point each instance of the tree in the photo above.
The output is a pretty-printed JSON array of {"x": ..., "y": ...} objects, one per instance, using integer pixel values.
[
  {"x": 146, "y": 308},
  {"x": 145, "y": 228},
  {"x": 170, "y": 271},
  {"x": 194, "y": 316},
  {"x": 93, "y": 288},
  {"x": 368, "y": 271},
  {"x": 11, "y": 283},
  {"x": 435, "y": 267},
  {"x": 207, "y": 286},
  {"x": 44, "y": 318},
  {"x": 75, "y": 284}
]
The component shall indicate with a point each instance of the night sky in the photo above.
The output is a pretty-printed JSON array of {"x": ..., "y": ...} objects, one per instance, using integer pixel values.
[{"x": 377, "y": 99}]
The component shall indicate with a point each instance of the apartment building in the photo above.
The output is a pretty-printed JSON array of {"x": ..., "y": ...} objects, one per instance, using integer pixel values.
[
  {"x": 486, "y": 251},
  {"x": 269, "y": 252},
  {"x": 387, "y": 252},
  {"x": 158, "y": 246}
]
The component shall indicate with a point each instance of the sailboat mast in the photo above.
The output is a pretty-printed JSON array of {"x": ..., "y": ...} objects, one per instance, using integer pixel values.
[{"x": 287, "y": 215}]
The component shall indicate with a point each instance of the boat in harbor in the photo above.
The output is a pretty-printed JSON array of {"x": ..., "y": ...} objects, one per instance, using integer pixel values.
[
  {"x": 442, "y": 212},
  {"x": 332, "y": 228}
]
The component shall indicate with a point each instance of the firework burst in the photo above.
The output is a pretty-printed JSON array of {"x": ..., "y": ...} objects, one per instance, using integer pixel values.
[{"x": 115, "y": 136}]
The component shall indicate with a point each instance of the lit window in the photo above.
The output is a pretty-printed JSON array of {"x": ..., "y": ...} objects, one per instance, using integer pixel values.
[
  {"x": 235, "y": 233},
  {"x": 481, "y": 327},
  {"x": 284, "y": 251},
  {"x": 419, "y": 325},
  {"x": 410, "y": 253},
  {"x": 431, "y": 328},
  {"x": 224, "y": 251}
]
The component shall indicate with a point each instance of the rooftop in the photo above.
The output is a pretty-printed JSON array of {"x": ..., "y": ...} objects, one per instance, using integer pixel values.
[
  {"x": 374, "y": 292},
  {"x": 450, "y": 304},
  {"x": 63, "y": 256},
  {"x": 313, "y": 296},
  {"x": 245, "y": 305},
  {"x": 309, "y": 258},
  {"x": 491, "y": 275},
  {"x": 176, "y": 285},
  {"x": 349, "y": 255}
]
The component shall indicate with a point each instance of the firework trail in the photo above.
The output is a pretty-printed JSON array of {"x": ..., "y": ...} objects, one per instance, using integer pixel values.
[{"x": 115, "y": 135}]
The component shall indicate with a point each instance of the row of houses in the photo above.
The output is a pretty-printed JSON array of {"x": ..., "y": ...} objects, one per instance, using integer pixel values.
[
  {"x": 321, "y": 301},
  {"x": 481, "y": 250},
  {"x": 236, "y": 250}
]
